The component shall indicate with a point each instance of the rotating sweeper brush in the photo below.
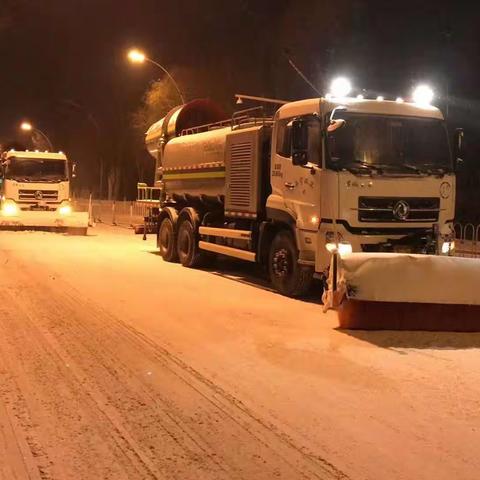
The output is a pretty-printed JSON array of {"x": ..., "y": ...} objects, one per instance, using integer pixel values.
[{"x": 382, "y": 291}]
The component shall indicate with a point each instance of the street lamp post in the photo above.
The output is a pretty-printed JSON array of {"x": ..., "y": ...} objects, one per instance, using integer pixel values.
[
  {"x": 28, "y": 127},
  {"x": 136, "y": 56}
]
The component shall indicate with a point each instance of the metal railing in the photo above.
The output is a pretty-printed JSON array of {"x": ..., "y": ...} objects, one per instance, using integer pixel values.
[
  {"x": 467, "y": 240},
  {"x": 122, "y": 213},
  {"x": 243, "y": 118},
  {"x": 131, "y": 214},
  {"x": 148, "y": 194}
]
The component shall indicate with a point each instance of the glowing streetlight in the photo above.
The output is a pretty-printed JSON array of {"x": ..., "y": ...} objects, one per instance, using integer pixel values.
[
  {"x": 137, "y": 56},
  {"x": 28, "y": 127}
]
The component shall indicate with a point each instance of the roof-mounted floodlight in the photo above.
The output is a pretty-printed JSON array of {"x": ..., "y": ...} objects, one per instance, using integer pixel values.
[
  {"x": 423, "y": 95},
  {"x": 340, "y": 87}
]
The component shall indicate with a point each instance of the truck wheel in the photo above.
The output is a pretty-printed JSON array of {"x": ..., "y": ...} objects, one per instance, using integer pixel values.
[
  {"x": 187, "y": 245},
  {"x": 166, "y": 241},
  {"x": 287, "y": 276}
]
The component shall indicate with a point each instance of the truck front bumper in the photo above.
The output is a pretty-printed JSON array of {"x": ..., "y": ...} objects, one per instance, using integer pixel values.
[
  {"x": 422, "y": 241},
  {"x": 44, "y": 219}
]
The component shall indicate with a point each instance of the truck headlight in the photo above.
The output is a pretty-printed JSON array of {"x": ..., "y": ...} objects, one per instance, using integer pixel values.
[
  {"x": 9, "y": 208},
  {"x": 343, "y": 248},
  {"x": 448, "y": 247},
  {"x": 65, "y": 210}
]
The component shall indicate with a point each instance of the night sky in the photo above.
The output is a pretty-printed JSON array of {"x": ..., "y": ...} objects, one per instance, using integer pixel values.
[{"x": 64, "y": 65}]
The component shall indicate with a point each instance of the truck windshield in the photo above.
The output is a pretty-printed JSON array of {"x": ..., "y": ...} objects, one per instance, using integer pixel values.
[
  {"x": 388, "y": 143},
  {"x": 36, "y": 169}
]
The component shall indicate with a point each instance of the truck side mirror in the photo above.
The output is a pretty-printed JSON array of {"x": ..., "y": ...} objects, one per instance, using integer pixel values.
[
  {"x": 335, "y": 125},
  {"x": 299, "y": 142},
  {"x": 459, "y": 146},
  {"x": 74, "y": 170}
]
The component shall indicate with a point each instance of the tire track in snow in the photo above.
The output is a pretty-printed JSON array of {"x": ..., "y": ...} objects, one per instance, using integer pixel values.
[{"x": 90, "y": 341}]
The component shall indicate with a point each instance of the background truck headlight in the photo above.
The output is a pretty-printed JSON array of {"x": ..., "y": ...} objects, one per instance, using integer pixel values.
[
  {"x": 65, "y": 210},
  {"x": 448, "y": 247},
  {"x": 9, "y": 208}
]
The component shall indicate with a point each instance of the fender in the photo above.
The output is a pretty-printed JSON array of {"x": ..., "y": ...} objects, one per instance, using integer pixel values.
[
  {"x": 191, "y": 214},
  {"x": 282, "y": 216},
  {"x": 168, "y": 212}
]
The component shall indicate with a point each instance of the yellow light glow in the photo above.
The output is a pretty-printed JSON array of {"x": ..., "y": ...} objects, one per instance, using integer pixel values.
[
  {"x": 65, "y": 210},
  {"x": 314, "y": 220},
  {"x": 26, "y": 126},
  {"x": 448, "y": 247},
  {"x": 380, "y": 98},
  {"x": 343, "y": 248},
  {"x": 399, "y": 100},
  {"x": 9, "y": 209},
  {"x": 136, "y": 56}
]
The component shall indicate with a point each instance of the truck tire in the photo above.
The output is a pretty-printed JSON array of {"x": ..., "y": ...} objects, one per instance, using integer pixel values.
[
  {"x": 166, "y": 241},
  {"x": 287, "y": 276},
  {"x": 187, "y": 245}
]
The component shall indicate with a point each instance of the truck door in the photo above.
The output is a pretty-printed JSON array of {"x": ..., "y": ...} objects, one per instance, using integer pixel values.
[{"x": 300, "y": 187}]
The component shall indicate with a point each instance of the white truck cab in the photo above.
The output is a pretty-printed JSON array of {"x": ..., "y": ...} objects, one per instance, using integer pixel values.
[
  {"x": 361, "y": 175},
  {"x": 35, "y": 192}
]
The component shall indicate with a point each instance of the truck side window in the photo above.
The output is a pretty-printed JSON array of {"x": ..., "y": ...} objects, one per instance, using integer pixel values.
[
  {"x": 284, "y": 138},
  {"x": 314, "y": 142}
]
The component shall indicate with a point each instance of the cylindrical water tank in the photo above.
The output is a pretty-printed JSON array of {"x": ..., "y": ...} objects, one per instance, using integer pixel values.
[
  {"x": 193, "y": 114},
  {"x": 195, "y": 164}
]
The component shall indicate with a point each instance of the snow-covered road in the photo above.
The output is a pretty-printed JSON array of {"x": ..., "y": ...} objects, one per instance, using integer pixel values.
[{"x": 116, "y": 365}]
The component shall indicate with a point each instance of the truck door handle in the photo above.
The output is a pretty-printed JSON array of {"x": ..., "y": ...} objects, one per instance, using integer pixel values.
[{"x": 290, "y": 185}]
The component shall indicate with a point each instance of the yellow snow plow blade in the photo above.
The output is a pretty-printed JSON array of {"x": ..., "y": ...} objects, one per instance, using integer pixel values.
[
  {"x": 382, "y": 291},
  {"x": 74, "y": 221}
]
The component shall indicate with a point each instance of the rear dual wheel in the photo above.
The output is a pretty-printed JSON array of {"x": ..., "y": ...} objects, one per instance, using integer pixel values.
[
  {"x": 167, "y": 240},
  {"x": 188, "y": 251}
]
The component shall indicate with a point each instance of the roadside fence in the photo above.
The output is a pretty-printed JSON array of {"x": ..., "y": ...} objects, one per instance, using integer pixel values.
[
  {"x": 467, "y": 240},
  {"x": 113, "y": 212},
  {"x": 130, "y": 214}
]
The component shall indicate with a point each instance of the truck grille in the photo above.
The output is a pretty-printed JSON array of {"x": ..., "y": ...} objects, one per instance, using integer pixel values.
[
  {"x": 38, "y": 195},
  {"x": 398, "y": 209}
]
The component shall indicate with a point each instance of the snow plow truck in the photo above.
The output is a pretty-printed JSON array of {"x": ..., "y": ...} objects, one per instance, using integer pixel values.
[
  {"x": 322, "y": 179},
  {"x": 321, "y": 175}
]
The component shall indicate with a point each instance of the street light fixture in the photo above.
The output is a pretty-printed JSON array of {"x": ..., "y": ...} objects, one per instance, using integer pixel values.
[
  {"x": 137, "y": 56},
  {"x": 28, "y": 127}
]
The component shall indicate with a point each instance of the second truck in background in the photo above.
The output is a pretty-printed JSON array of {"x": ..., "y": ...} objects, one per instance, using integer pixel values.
[{"x": 35, "y": 193}]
